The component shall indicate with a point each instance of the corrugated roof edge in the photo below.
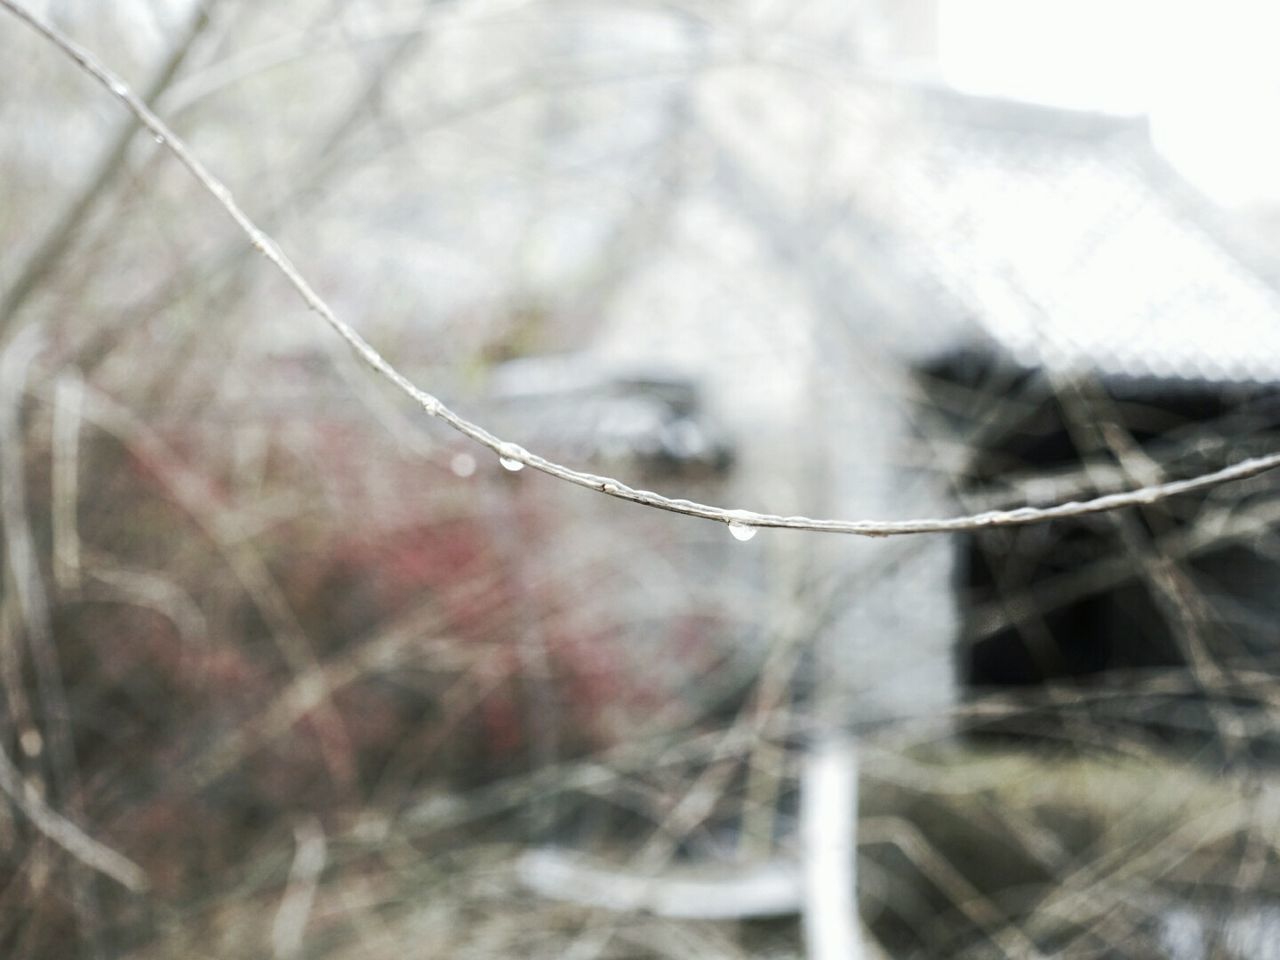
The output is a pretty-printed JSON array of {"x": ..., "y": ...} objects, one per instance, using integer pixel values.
[
  {"x": 1127, "y": 137},
  {"x": 1129, "y": 133},
  {"x": 1236, "y": 235},
  {"x": 1023, "y": 115}
]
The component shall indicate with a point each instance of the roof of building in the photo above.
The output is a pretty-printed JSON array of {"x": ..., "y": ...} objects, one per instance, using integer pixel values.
[{"x": 1066, "y": 238}]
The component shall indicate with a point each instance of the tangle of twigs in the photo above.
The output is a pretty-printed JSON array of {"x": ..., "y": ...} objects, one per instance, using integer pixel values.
[{"x": 615, "y": 488}]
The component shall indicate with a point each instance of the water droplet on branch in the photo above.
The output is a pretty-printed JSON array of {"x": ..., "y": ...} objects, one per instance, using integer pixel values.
[
  {"x": 742, "y": 531},
  {"x": 509, "y": 455}
]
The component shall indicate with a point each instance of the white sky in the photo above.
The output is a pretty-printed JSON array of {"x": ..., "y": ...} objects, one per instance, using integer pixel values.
[{"x": 1207, "y": 72}]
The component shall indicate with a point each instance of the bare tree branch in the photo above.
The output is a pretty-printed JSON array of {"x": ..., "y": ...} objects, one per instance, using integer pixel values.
[
  {"x": 47, "y": 255},
  {"x": 299, "y": 896},
  {"x": 67, "y": 835},
  {"x": 33, "y": 605},
  {"x": 518, "y": 455}
]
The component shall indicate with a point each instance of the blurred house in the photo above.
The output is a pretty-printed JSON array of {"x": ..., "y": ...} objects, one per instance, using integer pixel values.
[
  {"x": 1110, "y": 319},
  {"x": 990, "y": 283}
]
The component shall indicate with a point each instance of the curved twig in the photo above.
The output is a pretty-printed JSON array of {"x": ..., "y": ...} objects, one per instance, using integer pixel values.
[
  {"x": 615, "y": 488},
  {"x": 88, "y": 851}
]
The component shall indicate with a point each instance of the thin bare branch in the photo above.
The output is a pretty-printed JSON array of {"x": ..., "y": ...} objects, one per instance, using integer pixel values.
[
  {"x": 66, "y": 834},
  {"x": 67, "y": 416},
  {"x": 33, "y": 606},
  {"x": 49, "y": 253},
  {"x": 299, "y": 896},
  {"x": 615, "y": 488}
]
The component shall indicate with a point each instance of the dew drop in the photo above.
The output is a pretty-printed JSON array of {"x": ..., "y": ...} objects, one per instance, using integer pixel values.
[
  {"x": 508, "y": 457},
  {"x": 463, "y": 464},
  {"x": 742, "y": 531}
]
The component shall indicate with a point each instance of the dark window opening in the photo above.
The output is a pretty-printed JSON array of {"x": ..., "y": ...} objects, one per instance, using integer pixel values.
[{"x": 1178, "y": 602}]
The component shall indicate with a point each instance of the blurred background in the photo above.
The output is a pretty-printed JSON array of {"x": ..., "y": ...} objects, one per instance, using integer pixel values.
[{"x": 289, "y": 670}]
